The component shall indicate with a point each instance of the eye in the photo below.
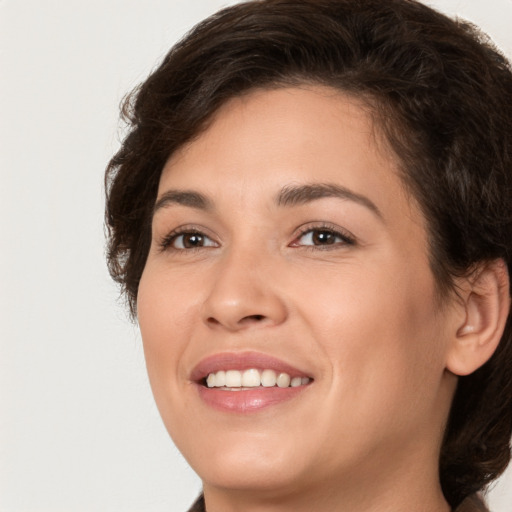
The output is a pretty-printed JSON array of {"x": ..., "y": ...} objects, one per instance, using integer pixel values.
[
  {"x": 186, "y": 240},
  {"x": 323, "y": 237}
]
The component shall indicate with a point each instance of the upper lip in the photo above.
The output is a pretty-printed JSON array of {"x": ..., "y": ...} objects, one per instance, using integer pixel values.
[{"x": 242, "y": 361}]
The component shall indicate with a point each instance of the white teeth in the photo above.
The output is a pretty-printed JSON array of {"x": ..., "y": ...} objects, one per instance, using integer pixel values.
[
  {"x": 210, "y": 380},
  {"x": 268, "y": 378},
  {"x": 283, "y": 381},
  {"x": 220, "y": 379},
  {"x": 296, "y": 381},
  {"x": 253, "y": 378},
  {"x": 233, "y": 379}
]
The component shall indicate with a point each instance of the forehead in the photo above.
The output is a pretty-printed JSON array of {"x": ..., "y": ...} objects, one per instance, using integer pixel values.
[
  {"x": 295, "y": 114},
  {"x": 286, "y": 136}
]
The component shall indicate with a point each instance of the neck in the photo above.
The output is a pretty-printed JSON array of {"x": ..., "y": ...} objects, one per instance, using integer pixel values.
[{"x": 409, "y": 489}]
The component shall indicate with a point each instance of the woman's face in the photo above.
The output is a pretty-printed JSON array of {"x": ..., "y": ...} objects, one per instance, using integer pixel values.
[{"x": 283, "y": 240}]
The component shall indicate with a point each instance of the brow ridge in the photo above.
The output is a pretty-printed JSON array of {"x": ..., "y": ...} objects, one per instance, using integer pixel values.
[
  {"x": 294, "y": 195},
  {"x": 288, "y": 196},
  {"x": 188, "y": 198}
]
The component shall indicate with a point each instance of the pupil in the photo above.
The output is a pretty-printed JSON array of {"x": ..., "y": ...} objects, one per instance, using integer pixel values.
[
  {"x": 193, "y": 240},
  {"x": 323, "y": 238}
]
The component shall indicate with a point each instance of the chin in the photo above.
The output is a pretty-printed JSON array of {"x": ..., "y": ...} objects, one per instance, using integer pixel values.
[
  {"x": 241, "y": 462},
  {"x": 243, "y": 472}
]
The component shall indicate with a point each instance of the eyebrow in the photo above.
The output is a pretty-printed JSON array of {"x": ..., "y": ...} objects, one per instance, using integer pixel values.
[
  {"x": 288, "y": 196},
  {"x": 302, "y": 194},
  {"x": 188, "y": 198}
]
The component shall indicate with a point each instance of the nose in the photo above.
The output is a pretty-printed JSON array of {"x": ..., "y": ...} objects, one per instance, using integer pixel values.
[{"x": 243, "y": 294}]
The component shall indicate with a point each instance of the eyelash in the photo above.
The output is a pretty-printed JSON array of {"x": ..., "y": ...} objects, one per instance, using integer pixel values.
[
  {"x": 166, "y": 244},
  {"x": 169, "y": 239},
  {"x": 346, "y": 238}
]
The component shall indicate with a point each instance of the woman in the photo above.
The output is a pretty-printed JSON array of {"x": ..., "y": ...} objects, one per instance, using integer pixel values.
[{"x": 311, "y": 218}]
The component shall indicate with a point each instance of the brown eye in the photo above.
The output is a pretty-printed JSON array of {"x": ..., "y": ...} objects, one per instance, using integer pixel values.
[
  {"x": 190, "y": 240},
  {"x": 323, "y": 237}
]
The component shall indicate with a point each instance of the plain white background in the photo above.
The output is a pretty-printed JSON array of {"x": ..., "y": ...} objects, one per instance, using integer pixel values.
[{"x": 78, "y": 427}]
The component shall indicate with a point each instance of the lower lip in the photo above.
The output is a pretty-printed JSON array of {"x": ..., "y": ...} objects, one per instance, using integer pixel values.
[{"x": 247, "y": 400}]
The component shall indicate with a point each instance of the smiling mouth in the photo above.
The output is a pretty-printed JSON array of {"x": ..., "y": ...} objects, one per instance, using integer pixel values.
[{"x": 240, "y": 380}]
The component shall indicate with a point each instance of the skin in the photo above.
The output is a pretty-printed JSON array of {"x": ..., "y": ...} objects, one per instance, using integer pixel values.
[{"x": 360, "y": 318}]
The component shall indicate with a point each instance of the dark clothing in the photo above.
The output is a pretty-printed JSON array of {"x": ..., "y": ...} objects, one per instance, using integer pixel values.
[
  {"x": 471, "y": 504},
  {"x": 198, "y": 506}
]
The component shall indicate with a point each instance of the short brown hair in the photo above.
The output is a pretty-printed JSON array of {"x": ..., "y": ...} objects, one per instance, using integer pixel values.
[{"x": 442, "y": 94}]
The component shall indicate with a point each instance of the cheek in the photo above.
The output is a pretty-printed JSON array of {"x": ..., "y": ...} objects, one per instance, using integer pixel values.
[
  {"x": 379, "y": 329},
  {"x": 164, "y": 315},
  {"x": 167, "y": 313}
]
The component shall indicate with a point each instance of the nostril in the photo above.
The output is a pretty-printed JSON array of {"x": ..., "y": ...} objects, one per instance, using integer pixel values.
[
  {"x": 257, "y": 318},
  {"x": 235, "y": 323}
]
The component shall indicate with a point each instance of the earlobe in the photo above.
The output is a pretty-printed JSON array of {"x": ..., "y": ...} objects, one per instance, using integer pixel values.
[{"x": 485, "y": 299}]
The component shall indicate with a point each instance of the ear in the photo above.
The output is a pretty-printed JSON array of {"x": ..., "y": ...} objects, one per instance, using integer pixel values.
[{"x": 485, "y": 305}]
